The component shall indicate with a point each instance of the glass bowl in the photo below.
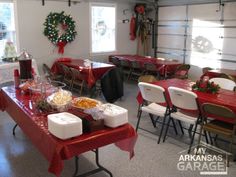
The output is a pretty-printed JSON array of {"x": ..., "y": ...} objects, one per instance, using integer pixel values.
[
  {"x": 60, "y": 100},
  {"x": 46, "y": 88}
]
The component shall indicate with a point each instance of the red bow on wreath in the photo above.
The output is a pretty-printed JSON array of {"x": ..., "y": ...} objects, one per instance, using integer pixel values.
[{"x": 61, "y": 46}]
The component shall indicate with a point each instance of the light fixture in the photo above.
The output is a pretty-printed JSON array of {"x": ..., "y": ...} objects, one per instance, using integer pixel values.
[{"x": 69, "y": 2}]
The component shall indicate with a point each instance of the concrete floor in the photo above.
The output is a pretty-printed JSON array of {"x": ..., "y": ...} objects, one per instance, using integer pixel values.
[{"x": 19, "y": 158}]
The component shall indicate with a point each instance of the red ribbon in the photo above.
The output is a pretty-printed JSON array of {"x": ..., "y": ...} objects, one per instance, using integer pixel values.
[
  {"x": 91, "y": 78},
  {"x": 61, "y": 46},
  {"x": 132, "y": 29}
]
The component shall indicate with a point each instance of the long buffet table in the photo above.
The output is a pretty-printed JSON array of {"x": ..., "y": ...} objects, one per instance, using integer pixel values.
[
  {"x": 163, "y": 66},
  {"x": 34, "y": 126},
  {"x": 224, "y": 97}
]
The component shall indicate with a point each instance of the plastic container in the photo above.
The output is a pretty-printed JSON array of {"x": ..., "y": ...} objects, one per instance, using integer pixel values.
[
  {"x": 64, "y": 125},
  {"x": 114, "y": 115}
]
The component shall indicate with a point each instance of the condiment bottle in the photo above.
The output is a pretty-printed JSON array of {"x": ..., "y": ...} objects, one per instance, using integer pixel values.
[{"x": 16, "y": 78}]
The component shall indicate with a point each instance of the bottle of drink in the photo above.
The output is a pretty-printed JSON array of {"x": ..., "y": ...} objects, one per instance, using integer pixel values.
[{"x": 16, "y": 78}]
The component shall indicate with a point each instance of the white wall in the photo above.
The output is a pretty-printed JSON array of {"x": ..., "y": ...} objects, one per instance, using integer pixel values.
[{"x": 31, "y": 16}]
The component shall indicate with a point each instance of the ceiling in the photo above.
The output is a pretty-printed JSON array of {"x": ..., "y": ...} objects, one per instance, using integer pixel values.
[
  {"x": 174, "y": 2},
  {"x": 160, "y": 2}
]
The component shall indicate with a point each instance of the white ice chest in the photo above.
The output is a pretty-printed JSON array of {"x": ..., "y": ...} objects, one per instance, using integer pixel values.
[
  {"x": 64, "y": 125},
  {"x": 114, "y": 115}
]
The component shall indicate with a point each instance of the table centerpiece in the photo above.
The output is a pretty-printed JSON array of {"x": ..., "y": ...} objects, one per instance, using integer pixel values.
[{"x": 204, "y": 85}]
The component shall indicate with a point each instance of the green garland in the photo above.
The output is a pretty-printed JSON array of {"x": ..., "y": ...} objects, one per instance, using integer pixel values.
[{"x": 51, "y": 28}]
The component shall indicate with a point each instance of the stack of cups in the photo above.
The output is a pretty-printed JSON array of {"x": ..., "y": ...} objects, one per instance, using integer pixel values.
[{"x": 16, "y": 78}]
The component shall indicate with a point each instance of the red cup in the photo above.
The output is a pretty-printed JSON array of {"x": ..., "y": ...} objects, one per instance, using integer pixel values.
[{"x": 16, "y": 73}]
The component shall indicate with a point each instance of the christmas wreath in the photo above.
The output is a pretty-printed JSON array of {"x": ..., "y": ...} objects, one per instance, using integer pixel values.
[{"x": 60, "y": 29}]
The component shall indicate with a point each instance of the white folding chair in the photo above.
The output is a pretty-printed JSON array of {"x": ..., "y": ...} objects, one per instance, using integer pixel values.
[
  {"x": 153, "y": 94},
  {"x": 224, "y": 83},
  {"x": 183, "y": 100}
]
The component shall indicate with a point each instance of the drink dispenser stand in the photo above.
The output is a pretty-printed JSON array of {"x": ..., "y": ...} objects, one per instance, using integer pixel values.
[{"x": 25, "y": 62}]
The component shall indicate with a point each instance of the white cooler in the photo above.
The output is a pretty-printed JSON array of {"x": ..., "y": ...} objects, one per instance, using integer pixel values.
[
  {"x": 114, "y": 115},
  {"x": 64, "y": 125}
]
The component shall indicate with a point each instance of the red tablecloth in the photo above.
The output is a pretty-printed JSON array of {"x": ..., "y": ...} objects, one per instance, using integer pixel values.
[
  {"x": 19, "y": 107},
  {"x": 224, "y": 97},
  {"x": 92, "y": 74},
  {"x": 163, "y": 66},
  {"x": 217, "y": 72}
]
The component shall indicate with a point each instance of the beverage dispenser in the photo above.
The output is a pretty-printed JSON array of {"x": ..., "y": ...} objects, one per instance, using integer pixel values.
[{"x": 25, "y": 61}]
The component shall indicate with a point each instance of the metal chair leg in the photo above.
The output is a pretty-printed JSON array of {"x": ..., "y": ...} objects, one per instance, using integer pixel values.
[
  {"x": 14, "y": 128},
  {"x": 181, "y": 127},
  {"x": 139, "y": 106},
  {"x": 199, "y": 138},
  {"x": 190, "y": 131},
  {"x": 205, "y": 133},
  {"x": 153, "y": 121},
  {"x": 215, "y": 138},
  {"x": 168, "y": 124},
  {"x": 173, "y": 122},
  {"x": 190, "y": 128},
  {"x": 139, "y": 117},
  {"x": 162, "y": 127},
  {"x": 192, "y": 139}
]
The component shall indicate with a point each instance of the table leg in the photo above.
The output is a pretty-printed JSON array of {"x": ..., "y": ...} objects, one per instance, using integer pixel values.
[
  {"x": 76, "y": 165},
  {"x": 13, "y": 130},
  {"x": 100, "y": 167}
]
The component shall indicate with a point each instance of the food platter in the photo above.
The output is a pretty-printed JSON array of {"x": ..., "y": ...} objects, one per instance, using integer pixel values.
[
  {"x": 60, "y": 100},
  {"x": 85, "y": 103}
]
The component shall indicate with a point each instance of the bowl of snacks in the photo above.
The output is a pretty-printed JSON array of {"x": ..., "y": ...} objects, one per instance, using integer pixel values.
[
  {"x": 89, "y": 106},
  {"x": 85, "y": 103},
  {"x": 60, "y": 100}
]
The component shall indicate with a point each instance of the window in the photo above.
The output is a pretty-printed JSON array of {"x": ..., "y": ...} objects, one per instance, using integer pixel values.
[
  {"x": 103, "y": 27},
  {"x": 206, "y": 43},
  {"x": 7, "y": 25}
]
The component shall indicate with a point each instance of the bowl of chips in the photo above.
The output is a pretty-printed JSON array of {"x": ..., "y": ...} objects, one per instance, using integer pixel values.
[
  {"x": 60, "y": 100},
  {"x": 85, "y": 103}
]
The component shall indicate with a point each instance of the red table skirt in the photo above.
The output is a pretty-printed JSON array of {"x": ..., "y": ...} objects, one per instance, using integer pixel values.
[
  {"x": 34, "y": 126},
  {"x": 91, "y": 74},
  {"x": 163, "y": 66}
]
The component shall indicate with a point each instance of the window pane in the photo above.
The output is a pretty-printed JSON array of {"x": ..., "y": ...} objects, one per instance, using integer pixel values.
[
  {"x": 103, "y": 29},
  {"x": 7, "y": 25}
]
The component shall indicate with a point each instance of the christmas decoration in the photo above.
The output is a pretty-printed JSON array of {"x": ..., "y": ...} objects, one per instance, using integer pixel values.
[
  {"x": 141, "y": 22},
  {"x": 132, "y": 29},
  {"x": 206, "y": 86},
  {"x": 9, "y": 52},
  {"x": 60, "y": 29}
]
